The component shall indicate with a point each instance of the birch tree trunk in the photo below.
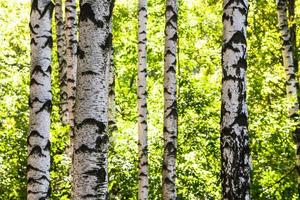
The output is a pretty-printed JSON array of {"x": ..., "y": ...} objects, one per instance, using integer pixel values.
[
  {"x": 142, "y": 102},
  {"x": 293, "y": 28},
  {"x": 170, "y": 104},
  {"x": 291, "y": 82},
  {"x": 60, "y": 37},
  {"x": 71, "y": 61},
  {"x": 38, "y": 161},
  {"x": 235, "y": 160},
  {"x": 90, "y": 173}
]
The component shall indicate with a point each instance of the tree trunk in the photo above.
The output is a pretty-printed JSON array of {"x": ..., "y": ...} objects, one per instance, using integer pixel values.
[
  {"x": 293, "y": 29},
  {"x": 38, "y": 161},
  {"x": 60, "y": 37},
  {"x": 236, "y": 165},
  {"x": 291, "y": 82},
  {"x": 142, "y": 102},
  {"x": 170, "y": 105},
  {"x": 71, "y": 62},
  {"x": 90, "y": 173}
]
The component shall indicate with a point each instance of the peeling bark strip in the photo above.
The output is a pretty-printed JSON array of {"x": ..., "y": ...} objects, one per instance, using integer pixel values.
[
  {"x": 142, "y": 102},
  {"x": 60, "y": 37},
  {"x": 170, "y": 105},
  {"x": 90, "y": 173},
  {"x": 235, "y": 151},
  {"x": 38, "y": 161},
  {"x": 71, "y": 61},
  {"x": 292, "y": 85}
]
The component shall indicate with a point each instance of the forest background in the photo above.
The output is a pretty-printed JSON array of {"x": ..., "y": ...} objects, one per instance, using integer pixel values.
[{"x": 199, "y": 84}]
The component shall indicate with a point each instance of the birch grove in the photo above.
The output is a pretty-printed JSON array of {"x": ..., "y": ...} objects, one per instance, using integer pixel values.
[{"x": 104, "y": 119}]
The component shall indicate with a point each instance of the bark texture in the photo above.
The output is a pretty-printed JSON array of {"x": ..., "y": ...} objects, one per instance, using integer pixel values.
[
  {"x": 142, "y": 102},
  {"x": 61, "y": 45},
  {"x": 90, "y": 173},
  {"x": 293, "y": 29},
  {"x": 71, "y": 61},
  {"x": 40, "y": 101},
  {"x": 292, "y": 85},
  {"x": 235, "y": 160},
  {"x": 170, "y": 103}
]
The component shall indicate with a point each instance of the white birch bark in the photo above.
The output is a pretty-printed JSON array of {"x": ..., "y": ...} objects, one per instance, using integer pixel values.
[
  {"x": 90, "y": 173},
  {"x": 292, "y": 86},
  {"x": 170, "y": 104},
  {"x": 236, "y": 164},
  {"x": 142, "y": 102},
  {"x": 38, "y": 161},
  {"x": 287, "y": 54},
  {"x": 61, "y": 47}
]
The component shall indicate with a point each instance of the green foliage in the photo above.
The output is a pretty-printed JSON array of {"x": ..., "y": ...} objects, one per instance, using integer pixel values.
[{"x": 199, "y": 84}]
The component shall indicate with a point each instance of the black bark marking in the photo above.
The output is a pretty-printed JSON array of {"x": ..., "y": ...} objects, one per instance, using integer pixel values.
[
  {"x": 89, "y": 73},
  {"x": 32, "y": 29},
  {"x": 36, "y": 180},
  {"x": 49, "y": 7},
  {"x": 237, "y": 38},
  {"x": 111, "y": 7},
  {"x": 227, "y": 17},
  {"x": 167, "y": 131},
  {"x": 85, "y": 149},
  {"x": 173, "y": 18},
  {"x": 168, "y": 181},
  {"x": 171, "y": 69},
  {"x": 143, "y": 174},
  {"x": 35, "y": 133},
  {"x": 101, "y": 141},
  {"x": 142, "y": 9},
  {"x": 91, "y": 121},
  {"x": 174, "y": 37},
  {"x": 48, "y": 146},
  {"x": 170, "y": 52},
  {"x": 30, "y": 167},
  {"x": 170, "y": 149},
  {"x": 32, "y": 41},
  {"x": 230, "y": 2},
  {"x": 49, "y": 69},
  {"x": 80, "y": 53},
  {"x": 30, "y": 102},
  {"x": 46, "y": 106},
  {"x": 39, "y": 69},
  {"x": 34, "y": 82},
  {"x": 86, "y": 12},
  {"x": 99, "y": 173},
  {"x": 49, "y": 42},
  {"x": 37, "y": 150},
  {"x": 173, "y": 112},
  {"x": 35, "y": 7},
  {"x": 107, "y": 42}
]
